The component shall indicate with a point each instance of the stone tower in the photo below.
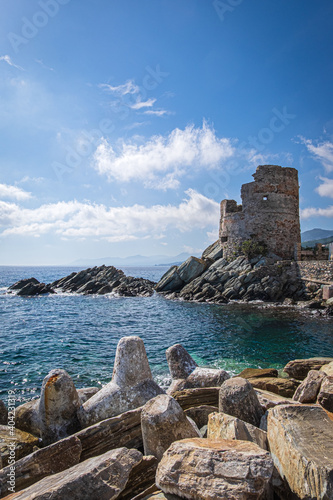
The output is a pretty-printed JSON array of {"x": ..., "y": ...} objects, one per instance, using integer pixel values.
[{"x": 269, "y": 213}]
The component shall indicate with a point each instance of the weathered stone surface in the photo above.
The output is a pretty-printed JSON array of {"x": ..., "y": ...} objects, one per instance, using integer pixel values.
[
  {"x": 27, "y": 417},
  {"x": 115, "y": 432},
  {"x": 104, "y": 477},
  {"x": 191, "y": 269},
  {"x": 23, "y": 443},
  {"x": 21, "y": 283},
  {"x": 30, "y": 289},
  {"x": 223, "y": 426},
  {"x": 180, "y": 363},
  {"x": 237, "y": 398},
  {"x": 213, "y": 252},
  {"x": 170, "y": 281},
  {"x": 197, "y": 397},
  {"x": 86, "y": 393},
  {"x": 308, "y": 390},
  {"x": 209, "y": 470},
  {"x": 270, "y": 399},
  {"x": 328, "y": 369},
  {"x": 200, "y": 414},
  {"x": 41, "y": 463},
  {"x": 141, "y": 477},
  {"x": 131, "y": 386},
  {"x": 163, "y": 421},
  {"x": 299, "y": 368},
  {"x": 301, "y": 442},
  {"x": 325, "y": 396},
  {"x": 285, "y": 387},
  {"x": 3, "y": 413},
  {"x": 258, "y": 373},
  {"x": 58, "y": 407}
]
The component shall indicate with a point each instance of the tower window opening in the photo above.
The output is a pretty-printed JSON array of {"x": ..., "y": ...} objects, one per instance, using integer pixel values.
[{"x": 265, "y": 198}]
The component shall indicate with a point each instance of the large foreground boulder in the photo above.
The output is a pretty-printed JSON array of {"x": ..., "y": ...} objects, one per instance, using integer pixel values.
[
  {"x": 163, "y": 422},
  {"x": 203, "y": 469},
  {"x": 308, "y": 390},
  {"x": 299, "y": 368},
  {"x": 237, "y": 398},
  {"x": 132, "y": 384},
  {"x": 58, "y": 406},
  {"x": 186, "y": 374},
  {"x": 301, "y": 443},
  {"x": 104, "y": 477}
]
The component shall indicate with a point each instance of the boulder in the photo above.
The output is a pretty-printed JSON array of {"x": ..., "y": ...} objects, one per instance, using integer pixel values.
[
  {"x": 21, "y": 283},
  {"x": 200, "y": 414},
  {"x": 258, "y": 373},
  {"x": 30, "y": 289},
  {"x": 132, "y": 385},
  {"x": 103, "y": 477},
  {"x": 328, "y": 369},
  {"x": 299, "y": 368},
  {"x": 58, "y": 407},
  {"x": 15, "y": 444},
  {"x": 189, "y": 398},
  {"x": 203, "y": 469},
  {"x": 284, "y": 387},
  {"x": 191, "y": 269},
  {"x": 41, "y": 463},
  {"x": 325, "y": 396},
  {"x": 213, "y": 252},
  {"x": 237, "y": 398},
  {"x": 301, "y": 444},
  {"x": 86, "y": 393},
  {"x": 170, "y": 281},
  {"x": 270, "y": 399},
  {"x": 307, "y": 391},
  {"x": 163, "y": 421},
  {"x": 223, "y": 426},
  {"x": 180, "y": 363},
  {"x": 27, "y": 417},
  {"x": 3, "y": 413}
]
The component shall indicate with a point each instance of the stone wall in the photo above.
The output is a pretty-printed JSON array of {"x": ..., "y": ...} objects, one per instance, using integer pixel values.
[
  {"x": 316, "y": 270},
  {"x": 269, "y": 213}
]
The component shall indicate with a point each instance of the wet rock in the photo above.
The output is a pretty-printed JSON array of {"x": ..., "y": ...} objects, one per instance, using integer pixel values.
[
  {"x": 32, "y": 289},
  {"x": 27, "y": 417},
  {"x": 103, "y": 477},
  {"x": 325, "y": 396},
  {"x": 299, "y": 368},
  {"x": 200, "y": 414},
  {"x": 3, "y": 413},
  {"x": 258, "y": 373},
  {"x": 131, "y": 386},
  {"x": 307, "y": 391},
  {"x": 238, "y": 399},
  {"x": 163, "y": 421},
  {"x": 86, "y": 393},
  {"x": 223, "y": 426},
  {"x": 210, "y": 470},
  {"x": 284, "y": 387},
  {"x": 41, "y": 463},
  {"x": 300, "y": 440},
  {"x": 58, "y": 407},
  {"x": 15, "y": 444}
]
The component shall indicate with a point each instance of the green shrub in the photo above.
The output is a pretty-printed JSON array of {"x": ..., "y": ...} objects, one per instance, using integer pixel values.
[{"x": 253, "y": 248}]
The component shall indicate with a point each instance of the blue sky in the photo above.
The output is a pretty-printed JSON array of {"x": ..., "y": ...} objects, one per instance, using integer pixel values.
[{"x": 125, "y": 123}]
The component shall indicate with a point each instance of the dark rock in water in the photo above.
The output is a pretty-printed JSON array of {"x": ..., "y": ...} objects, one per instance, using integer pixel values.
[
  {"x": 20, "y": 284},
  {"x": 31, "y": 289}
]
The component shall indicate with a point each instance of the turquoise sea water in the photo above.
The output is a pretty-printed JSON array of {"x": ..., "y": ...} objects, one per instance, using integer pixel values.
[{"x": 80, "y": 333}]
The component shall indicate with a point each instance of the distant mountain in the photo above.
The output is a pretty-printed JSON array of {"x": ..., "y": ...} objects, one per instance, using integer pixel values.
[
  {"x": 316, "y": 234},
  {"x": 312, "y": 243},
  {"x": 133, "y": 261}
]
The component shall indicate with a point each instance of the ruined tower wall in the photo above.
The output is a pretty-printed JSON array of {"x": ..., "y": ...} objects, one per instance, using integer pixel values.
[{"x": 269, "y": 213}]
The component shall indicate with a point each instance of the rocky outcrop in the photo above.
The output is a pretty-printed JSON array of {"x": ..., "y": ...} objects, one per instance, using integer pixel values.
[
  {"x": 132, "y": 384},
  {"x": 186, "y": 374},
  {"x": 325, "y": 396},
  {"x": 209, "y": 470},
  {"x": 15, "y": 444},
  {"x": 223, "y": 426},
  {"x": 308, "y": 390},
  {"x": 97, "y": 280},
  {"x": 58, "y": 407},
  {"x": 163, "y": 421},
  {"x": 238, "y": 399},
  {"x": 300, "y": 441},
  {"x": 299, "y": 368}
]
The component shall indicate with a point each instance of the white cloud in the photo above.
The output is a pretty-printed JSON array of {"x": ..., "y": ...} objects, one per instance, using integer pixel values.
[
  {"x": 162, "y": 160},
  {"x": 128, "y": 87},
  {"x": 306, "y": 213},
  {"x": 322, "y": 152},
  {"x": 8, "y": 60},
  {"x": 39, "y": 61},
  {"x": 158, "y": 112},
  {"x": 143, "y": 104},
  {"x": 13, "y": 192},
  {"x": 326, "y": 188},
  {"x": 78, "y": 220}
]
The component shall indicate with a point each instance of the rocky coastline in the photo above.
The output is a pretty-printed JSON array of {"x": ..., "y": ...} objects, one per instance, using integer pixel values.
[{"x": 260, "y": 434}]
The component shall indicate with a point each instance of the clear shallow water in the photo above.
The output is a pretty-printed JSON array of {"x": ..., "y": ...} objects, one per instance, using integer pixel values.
[{"x": 80, "y": 333}]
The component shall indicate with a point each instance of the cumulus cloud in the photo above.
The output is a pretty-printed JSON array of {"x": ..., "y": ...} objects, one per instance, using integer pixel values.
[
  {"x": 306, "y": 213},
  {"x": 13, "y": 192},
  {"x": 326, "y": 188},
  {"x": 160, "y": 162},
  {"x": 8, "y": 60},
  {"x": 74, "y": 219},
  {"x": 321, "y": 151}
]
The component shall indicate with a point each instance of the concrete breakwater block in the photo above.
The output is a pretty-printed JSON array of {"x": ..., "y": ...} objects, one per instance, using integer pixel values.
[
  {"x": 132, "y": 385},
  {"x": 186, "y": 374},
  {"x": 238, "y": 399}
]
